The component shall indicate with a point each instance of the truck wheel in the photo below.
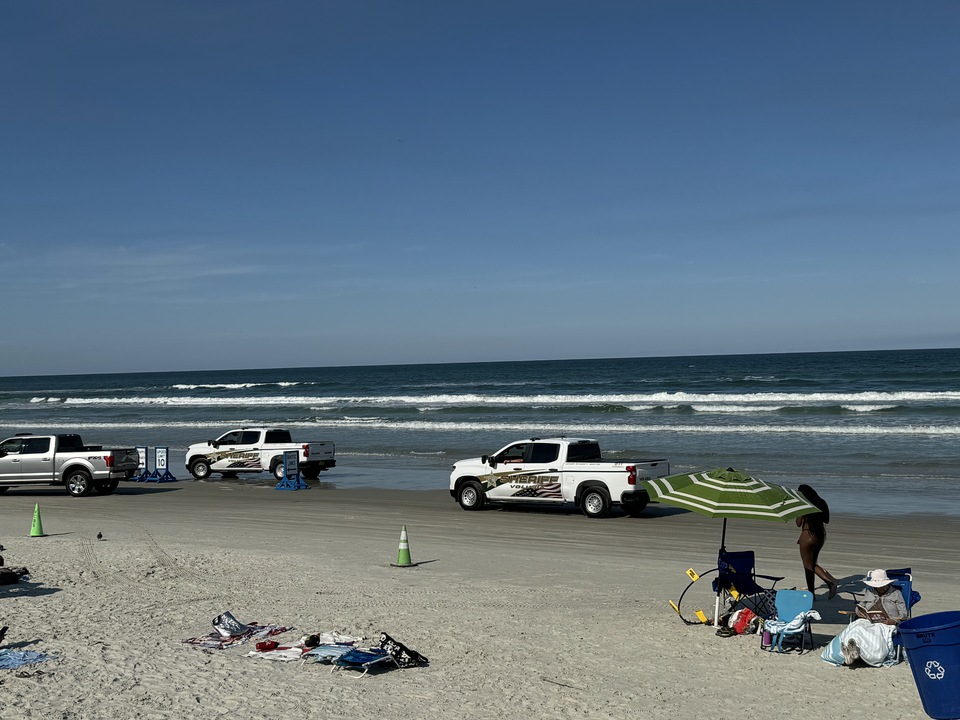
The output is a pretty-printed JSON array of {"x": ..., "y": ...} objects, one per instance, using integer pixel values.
[
  {"x": 310, "y": 473},
  {"x": 4, "y": 489},
  {"x": 200, "y": 468},
  {"x": 107, "y": 487},
  {"x": 595, "y": 503},
  {"x": 78, "y": 482},
  {"x": 277, "y": 469},
  {"x": 470, "y": 495}
]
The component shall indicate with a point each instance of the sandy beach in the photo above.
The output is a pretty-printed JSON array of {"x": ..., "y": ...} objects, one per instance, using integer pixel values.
[{"x": 539, "y": 613}]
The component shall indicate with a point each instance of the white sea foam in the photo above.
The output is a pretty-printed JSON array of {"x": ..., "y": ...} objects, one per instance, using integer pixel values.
[
  {"x": 868, "y": 408},
  {"x": 741, "y": 400},
  {"x": 232, "y": 386},
  {"x": 579, "y": 429},
  {"x": 735, "y": 408}
]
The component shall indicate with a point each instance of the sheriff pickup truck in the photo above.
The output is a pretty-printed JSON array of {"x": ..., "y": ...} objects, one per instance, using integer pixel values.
[
  {"x": 28, "y": 459},
  {"x": 555, "y": 471},
  {"x": 255, "y": 450}
]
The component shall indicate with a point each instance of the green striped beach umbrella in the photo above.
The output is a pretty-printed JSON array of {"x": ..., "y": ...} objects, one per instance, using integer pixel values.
[{"x": 728, "y": 494}]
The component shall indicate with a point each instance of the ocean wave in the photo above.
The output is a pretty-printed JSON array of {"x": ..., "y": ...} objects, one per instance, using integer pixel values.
[
  {"x": 869, "y": 408},
  {"x": 664, "y": 399},
  {"x": 520, "y": 427},
  {"x": 232, "y": 386}
]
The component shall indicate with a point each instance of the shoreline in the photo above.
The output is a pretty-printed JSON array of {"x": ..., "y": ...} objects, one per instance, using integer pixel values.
[{"x": 541, "y": 611}]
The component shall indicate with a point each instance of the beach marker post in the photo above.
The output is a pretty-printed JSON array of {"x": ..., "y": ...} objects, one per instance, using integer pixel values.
[
  {"x": 160, "y": 455},
  {"x": 141, "y": 474},
  {"x": 403, "y": 554},
  {"x": 291, "y": 472},
  {"x": 36, "y": 530}
]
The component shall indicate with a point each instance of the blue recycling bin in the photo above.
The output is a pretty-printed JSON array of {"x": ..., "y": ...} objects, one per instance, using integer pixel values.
[{"x": 932, "y": 643}]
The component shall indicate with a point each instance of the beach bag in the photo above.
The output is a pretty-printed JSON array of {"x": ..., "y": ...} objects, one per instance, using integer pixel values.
[
  {"x": 744, "y": 621},
  {"x": 401, "y": 654}
]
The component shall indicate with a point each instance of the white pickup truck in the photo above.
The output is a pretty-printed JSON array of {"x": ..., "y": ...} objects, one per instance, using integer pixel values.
[
  {"x": 255, "y": 450},
  {"x": 555, "y": 471},
  {"x": 28, "y": 459}
]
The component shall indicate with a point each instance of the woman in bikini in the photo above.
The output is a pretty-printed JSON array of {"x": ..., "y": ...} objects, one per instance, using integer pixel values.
[{"x": 813, "y": 534}]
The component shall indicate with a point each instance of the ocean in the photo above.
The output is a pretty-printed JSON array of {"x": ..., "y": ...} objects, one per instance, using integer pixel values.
[{"x": 873, "y": 432}]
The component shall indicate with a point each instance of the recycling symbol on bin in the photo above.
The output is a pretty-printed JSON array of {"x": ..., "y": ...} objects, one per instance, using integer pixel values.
[{"x": 934, "y": 670}]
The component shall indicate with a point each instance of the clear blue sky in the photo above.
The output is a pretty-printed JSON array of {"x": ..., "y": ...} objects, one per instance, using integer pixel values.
[{"x": 200, "y": 185}]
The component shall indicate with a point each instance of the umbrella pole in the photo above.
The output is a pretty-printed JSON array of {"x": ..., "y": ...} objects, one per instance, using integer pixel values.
[{"x": 716, "y": 604}]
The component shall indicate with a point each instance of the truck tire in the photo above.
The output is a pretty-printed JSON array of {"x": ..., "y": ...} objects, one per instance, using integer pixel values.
[
  {"x": 595, "y": 502},
  {"x": 276, "y": 468},
  {"x": 310, "y": 472},
  {"x": 200, "y": 468},
  {"x": 106, "y": 487},
  {"x": 470, "y": 495},
  {"x": 4, "y": 489},
  {"x": 78, "y": 482}
]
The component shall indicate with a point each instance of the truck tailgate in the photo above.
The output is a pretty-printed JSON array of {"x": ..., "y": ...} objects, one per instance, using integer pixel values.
[
  {"x": 126, "y": 459},
  {"x": 321, "y": 450}
]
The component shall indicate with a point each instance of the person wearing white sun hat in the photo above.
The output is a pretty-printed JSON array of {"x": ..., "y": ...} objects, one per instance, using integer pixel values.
[{"x": 870, "y": 638}]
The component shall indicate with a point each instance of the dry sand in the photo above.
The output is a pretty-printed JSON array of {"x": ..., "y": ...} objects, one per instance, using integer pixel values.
[{"x": 535, "y": 613}]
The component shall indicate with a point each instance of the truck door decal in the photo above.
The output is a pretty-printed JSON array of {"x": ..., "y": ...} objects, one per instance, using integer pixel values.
[{"x": 524, "y": 484}]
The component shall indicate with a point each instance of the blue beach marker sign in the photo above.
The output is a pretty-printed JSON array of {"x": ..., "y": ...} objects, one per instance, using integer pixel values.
[
  {"x": 160, "y": 463},
  {"x": 291, "y": 472},
  {"x": 141, "y": 473}
]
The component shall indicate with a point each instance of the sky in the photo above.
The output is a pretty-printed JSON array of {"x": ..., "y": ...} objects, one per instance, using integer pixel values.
[{"x": 204, "y": 184}]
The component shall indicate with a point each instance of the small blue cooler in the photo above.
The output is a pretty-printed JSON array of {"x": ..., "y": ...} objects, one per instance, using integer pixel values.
[{"x": 932, "y": 643}]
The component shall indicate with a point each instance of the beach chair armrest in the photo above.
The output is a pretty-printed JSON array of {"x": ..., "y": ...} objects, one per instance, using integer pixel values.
[{"x": 770, "y": 577}]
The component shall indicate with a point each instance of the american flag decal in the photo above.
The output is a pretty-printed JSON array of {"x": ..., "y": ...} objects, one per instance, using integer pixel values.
[{"x": 551, "y": 491}]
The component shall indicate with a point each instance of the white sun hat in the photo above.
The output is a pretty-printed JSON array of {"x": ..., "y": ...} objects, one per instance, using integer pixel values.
[{"x": 877, "y": 579}]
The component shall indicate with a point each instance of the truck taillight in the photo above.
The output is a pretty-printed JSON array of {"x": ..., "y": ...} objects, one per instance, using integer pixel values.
[
  {"x": 109, "y": 460},
  {"x": 631, "y": 475},
  {"x": 306, "y": 450}
]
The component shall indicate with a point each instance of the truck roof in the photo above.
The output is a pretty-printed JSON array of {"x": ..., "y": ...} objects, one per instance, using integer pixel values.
[{"x": 569, "y": 440}]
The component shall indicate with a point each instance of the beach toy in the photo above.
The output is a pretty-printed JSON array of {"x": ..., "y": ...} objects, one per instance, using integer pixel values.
[
  {"x": 403, "y": 555},
  {"x": 932, "y": 643},
  {"x": 36, "y": 530}
]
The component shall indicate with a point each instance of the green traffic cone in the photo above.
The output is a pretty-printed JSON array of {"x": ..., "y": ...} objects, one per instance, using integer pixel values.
[
  {"x": 37, "y": 529},
  {"x": 403, "y": 556}
]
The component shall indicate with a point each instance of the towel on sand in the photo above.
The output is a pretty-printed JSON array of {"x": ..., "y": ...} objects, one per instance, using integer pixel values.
[
  {"x": 12, "y": 659},
  {"x": 230, "y": 632}
]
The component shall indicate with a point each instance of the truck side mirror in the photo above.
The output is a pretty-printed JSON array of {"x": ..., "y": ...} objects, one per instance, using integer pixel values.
[
  {"x": 213, "y": 443},
  {"x": 3, "y": 453}
]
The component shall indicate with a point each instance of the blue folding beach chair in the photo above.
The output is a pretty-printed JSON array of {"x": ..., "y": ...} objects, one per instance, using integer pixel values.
[
  {"x": 902, "y": 581},
  {"x": 791, "y": 605},
  {"x": 737, "y": 578},
  {"x": 364, "y": 660}
]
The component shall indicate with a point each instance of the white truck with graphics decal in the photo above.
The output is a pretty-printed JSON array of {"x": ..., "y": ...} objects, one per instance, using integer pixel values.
[
  {"x": 255, "y": 450},
  {"x": 555, "y": 471}
]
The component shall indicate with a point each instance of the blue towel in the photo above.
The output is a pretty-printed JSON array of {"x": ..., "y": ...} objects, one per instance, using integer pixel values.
[{"x": 12, "y": 659}]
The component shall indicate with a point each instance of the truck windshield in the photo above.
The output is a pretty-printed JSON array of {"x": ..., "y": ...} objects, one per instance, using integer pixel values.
[{"x": 583, "y": 452}]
